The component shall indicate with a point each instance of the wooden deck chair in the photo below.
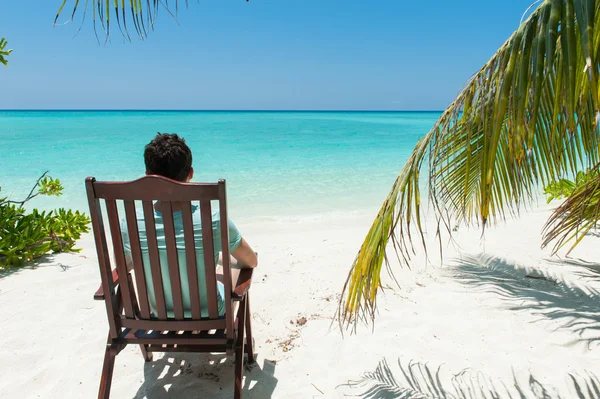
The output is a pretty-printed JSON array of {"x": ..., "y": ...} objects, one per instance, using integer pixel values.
[{"x": 130, "y": 318}]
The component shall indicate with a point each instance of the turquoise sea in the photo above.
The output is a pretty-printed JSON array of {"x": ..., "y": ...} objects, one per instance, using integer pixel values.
[{"x": 277, "y": 164}]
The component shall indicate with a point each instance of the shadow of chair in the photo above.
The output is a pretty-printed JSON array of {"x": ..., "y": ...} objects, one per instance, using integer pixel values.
[{"x": 192, "y": 376}]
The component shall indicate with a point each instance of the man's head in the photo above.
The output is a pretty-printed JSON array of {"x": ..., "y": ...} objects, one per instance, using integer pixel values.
[{"x": 168, "y": 155}]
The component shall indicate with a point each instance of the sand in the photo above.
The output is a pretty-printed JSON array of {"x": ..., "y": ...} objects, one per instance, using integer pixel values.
[{"x": 500, "y": 317}]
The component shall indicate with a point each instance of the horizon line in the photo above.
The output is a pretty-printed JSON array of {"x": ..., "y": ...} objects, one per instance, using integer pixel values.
[{"x": 202, "y": 110}]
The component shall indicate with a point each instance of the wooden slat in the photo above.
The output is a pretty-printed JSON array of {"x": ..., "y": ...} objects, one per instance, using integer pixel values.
[
  {"x": 175, "y": 338},
  {"x": 224, "y": 219},
  {"x": 190, "y": 348},
  {"x": 212, "y": 334},
  {"x": 136, "y": 255},
  {"x": 175, "y": 341},
  {"x": 190, "y": 256},
  {"x": 119, "y": 253},
  {"x": 209, "y": 258},
  {"x": 172, "y": 256},
  {"x": 248, "y": 331},
  {"x": 108, "y": 286},
  {"x": 239, "y": 340},
  {"x": 173, "y": 325},
  {"x": 158, "y": 188},
  {"x": 155, "y": 267}
]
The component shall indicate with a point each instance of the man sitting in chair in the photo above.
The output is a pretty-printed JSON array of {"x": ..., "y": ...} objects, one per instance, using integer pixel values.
[{"x": 168, "y": 155}]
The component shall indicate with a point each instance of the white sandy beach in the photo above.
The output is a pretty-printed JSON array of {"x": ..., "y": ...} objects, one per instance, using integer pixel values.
[{"x": 512, "y": 319}]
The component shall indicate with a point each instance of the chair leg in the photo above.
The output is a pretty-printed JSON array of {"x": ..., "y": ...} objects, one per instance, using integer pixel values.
[
  {"x": 249, "y": 339},
  {"x": 239, "y": 351},
  {"x": 147, "y": 355},
  {"x": 107, "y": 372}
]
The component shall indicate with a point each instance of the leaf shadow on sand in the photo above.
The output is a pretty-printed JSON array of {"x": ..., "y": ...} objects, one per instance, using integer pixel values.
[
  {"x": 417, "y": 380},
  {"x": 576, "y": 308},
  {"x": 589, "y": 270},
  {"x": 201, "y": 375}
]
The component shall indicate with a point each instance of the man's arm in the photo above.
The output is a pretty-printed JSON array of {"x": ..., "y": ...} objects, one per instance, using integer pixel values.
[{"x": 245, "y": 256}]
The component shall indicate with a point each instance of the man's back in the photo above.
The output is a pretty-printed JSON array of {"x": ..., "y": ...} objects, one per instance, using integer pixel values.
[
  {"x": 235, "y": 239},
  {"x": 168, "y": 155}
]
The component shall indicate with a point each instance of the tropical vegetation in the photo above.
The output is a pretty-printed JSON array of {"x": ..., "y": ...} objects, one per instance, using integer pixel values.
[
  {"x": 527, "y": 118},
  {"x": 25, "y": 236},
  {"x": 142, "y": 15},
  {"x": 564, "y": 188},
  {"x": 4, "y": 52}
]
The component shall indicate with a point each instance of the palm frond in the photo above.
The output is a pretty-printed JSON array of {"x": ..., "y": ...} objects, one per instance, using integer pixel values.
[
  {"x": 527, "y": 117},
  {"x": 576, "y": 216},
  {"x": 363, "y": 279},
  {"x": 140, "y": 14},
  {"x": 4, "y": 52}
]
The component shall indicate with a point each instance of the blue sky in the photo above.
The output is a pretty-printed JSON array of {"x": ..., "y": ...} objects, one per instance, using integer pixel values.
[{"x": 264, "y": 54}]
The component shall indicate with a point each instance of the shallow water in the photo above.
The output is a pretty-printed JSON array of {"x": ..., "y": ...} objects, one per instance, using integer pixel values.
[{"x": 277, "y": 164}]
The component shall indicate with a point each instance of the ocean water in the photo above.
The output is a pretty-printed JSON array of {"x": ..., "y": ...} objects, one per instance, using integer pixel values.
[{"x": 277, "y": 164}]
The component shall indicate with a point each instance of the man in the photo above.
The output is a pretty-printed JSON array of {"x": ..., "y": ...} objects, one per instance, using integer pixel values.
[{"x": 168, "y": 155}]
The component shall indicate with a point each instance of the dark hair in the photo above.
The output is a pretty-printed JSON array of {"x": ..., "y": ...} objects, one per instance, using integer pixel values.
[{"x": 168, "y": 155}]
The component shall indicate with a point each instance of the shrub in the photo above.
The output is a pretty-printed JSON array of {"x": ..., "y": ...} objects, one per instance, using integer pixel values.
[
  {"x": 563, "y": 188},
  {"x": 27, "y": 236}
]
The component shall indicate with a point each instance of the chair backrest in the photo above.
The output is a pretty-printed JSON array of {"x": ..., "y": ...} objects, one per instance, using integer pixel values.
[{"x": 137, "y": 314}]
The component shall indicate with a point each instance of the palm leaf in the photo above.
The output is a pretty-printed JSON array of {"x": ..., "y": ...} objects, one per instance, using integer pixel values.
[
  {"x": 3, "y": 52},
  {"x": 527, "y": 117},
  {"x": 142, "y": 14},
  {"x": 575, "y": 217}
]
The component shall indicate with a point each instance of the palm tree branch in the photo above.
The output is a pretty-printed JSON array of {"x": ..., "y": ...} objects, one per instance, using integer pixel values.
[
  {"x": 142, "y": 14},
  {"x": 527, "y": 117},
  {"x": 576, "y": 216},
  {"x": 3, "y": 52}
]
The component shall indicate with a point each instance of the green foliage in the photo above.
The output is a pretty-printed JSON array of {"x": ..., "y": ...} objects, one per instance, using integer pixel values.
[
  {"x": 50, "y": 186},
  {"x": 3, "y": 52},
  {"x": 27, "y": 236},
  {"x": 530, "y": 115},
  {"x": 578, "y": 215},
  {"x": 563, "y": 188},
  {"x": 142, "y": 15}
]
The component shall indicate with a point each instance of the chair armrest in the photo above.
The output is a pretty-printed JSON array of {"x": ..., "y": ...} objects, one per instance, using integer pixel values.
[
  {"x": 99, "y": 295},
  {"x": 241, "y": 283}
]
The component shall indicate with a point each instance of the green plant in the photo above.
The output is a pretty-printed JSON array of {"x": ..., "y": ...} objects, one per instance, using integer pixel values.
[
  {"x": 141, "y": 14},
  {"x": 573, "y": 220},
  {"x": 564, "y": 188},
  {"x": 530, "y": 115},
  {"x": 27, "y": 236},
  {"x": 3, "y": 52}
]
